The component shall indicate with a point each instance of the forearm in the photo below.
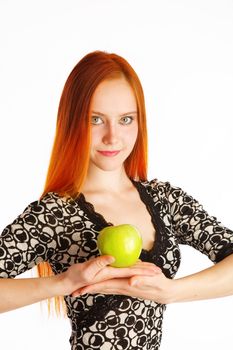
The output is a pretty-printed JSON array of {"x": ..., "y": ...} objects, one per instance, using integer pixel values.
[
  {"x": 213, "y": 282},
  {"x": 16, "y": 293}
]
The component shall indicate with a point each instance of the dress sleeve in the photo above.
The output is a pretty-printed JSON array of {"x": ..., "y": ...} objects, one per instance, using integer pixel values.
[
  {"x": 31, "y": 238},
  {"x": 195, "y": 227}
]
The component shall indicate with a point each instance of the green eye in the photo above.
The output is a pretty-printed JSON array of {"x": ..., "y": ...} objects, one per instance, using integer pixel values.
[
  {"x": 126, "y": 120},
  {"x": 96, "y": 120}
]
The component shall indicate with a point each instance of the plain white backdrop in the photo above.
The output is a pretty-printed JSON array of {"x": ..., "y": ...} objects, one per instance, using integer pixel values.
[{"x": 182, "y": 51}]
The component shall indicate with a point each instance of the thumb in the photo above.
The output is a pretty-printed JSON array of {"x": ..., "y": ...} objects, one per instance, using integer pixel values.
[{"x": 99, "y": 263}]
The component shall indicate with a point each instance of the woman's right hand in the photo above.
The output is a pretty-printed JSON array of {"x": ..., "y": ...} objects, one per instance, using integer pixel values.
[{"x": 97, "y": 270}]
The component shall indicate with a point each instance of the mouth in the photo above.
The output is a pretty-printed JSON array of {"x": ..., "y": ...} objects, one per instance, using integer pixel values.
[{"x": 109, "y": 153}]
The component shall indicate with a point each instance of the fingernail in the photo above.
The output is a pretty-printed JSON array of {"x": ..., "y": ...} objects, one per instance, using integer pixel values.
[
  {"x": 111, "y": 259},
  {"x": 134, "y": 283}
]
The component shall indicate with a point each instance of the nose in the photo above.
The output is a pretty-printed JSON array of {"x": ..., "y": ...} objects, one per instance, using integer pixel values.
[{"x": 111, "y": 134}]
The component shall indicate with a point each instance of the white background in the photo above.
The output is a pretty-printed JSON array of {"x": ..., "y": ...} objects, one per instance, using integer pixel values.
[{"x": 183, "y": 54}]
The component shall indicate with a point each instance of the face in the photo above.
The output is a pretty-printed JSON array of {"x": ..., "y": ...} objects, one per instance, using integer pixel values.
[{"x": 113, "y": 112}]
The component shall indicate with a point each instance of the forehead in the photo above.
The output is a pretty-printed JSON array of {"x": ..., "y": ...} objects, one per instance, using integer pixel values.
[{"x": 115, "y": 95}]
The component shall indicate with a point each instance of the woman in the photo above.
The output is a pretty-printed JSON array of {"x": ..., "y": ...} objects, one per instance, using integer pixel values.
[{"x": 98, "y": 177}]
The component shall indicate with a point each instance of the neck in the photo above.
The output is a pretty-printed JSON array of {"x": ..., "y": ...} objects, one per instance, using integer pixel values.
[{"x": 101, "y": 181}]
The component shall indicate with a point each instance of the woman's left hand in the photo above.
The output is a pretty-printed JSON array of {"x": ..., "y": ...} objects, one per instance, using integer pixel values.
[{"x": 157, "y": 288}]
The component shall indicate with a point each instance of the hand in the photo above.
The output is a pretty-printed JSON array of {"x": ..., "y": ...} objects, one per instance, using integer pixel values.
[
  {"x": 96, "y": 271},
  {"x": 155, "y": 287}
]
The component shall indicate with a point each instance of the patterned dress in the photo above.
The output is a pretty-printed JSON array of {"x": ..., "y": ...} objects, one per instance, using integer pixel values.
[{"x": 64, "y": 231}]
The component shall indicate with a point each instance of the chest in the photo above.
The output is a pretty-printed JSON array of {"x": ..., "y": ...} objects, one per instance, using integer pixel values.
[
  {"x": 78, "y": 242},
  {"x": 128, "y": 210}
]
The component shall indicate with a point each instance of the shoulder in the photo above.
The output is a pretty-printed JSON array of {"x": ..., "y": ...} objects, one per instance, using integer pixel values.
[
  {"x": 158, "y": 185},
  {"x": 45, "y": 211},
  {"x": 51, "y": 203},
  {"x": 165, "y": 186},
  {"x": 175, "y": 195},
  {"x": 164, "y": 189}
]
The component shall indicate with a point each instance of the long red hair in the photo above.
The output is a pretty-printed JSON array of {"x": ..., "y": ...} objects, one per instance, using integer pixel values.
[{"x": 70, "y": 154}]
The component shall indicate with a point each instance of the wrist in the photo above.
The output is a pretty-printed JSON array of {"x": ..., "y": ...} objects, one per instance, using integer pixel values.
[
  {"x": 168, "y": 294},
  {"x": 175, "y": 292},
  {"x": 172, "y": 292},
  {"x": 186, "y": 289},
  {"x": 61, "y": 285}
]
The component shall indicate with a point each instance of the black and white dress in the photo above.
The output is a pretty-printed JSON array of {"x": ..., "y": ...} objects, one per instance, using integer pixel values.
[{"x": 64, "y": 231}]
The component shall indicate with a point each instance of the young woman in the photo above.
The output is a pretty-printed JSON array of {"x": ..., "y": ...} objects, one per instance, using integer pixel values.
[{"x": 98, "y": 177}]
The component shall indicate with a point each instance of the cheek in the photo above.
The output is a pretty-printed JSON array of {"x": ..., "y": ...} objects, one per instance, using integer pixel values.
[
  {"x": 95, "y": 137},
  {"x": 132, "y": 135}
]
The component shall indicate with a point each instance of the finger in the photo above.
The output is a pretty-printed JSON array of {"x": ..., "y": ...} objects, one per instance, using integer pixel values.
[
  {"x": 98, "y": 270},
  {"x": 106, "y": 287},
  {"x": 76, "y": 293},
  {"x": 118, "y": 273},
  {"x": 143, "y": 281},
  {"x": 148, "y": 264},
  {"x": 133, "y": 270},
  {"x": 97, "y": 264},
  {"x": 145, "y": 263}
]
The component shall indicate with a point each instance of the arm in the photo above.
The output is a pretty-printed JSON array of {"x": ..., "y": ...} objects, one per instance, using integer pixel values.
[
  {"x": 22, "y": 247},
  {"x": 213, "y": 282},
  {"x": 15, "y": 293},
  {"x": 195, "y": 227},
  {"x": 191, "y": 225},
  {"x": 33, "y": 238}
]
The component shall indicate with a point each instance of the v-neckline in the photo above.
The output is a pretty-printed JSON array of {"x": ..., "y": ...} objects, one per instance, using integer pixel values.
[{"x": 145, "y": 197}]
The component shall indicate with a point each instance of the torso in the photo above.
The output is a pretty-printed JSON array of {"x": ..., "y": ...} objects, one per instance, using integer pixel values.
[
  {"x": 119, "y": 321},
  {"x": 125, "y": 208}
]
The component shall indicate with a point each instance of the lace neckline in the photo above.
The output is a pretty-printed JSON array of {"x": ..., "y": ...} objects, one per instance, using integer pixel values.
[{"x": 147, "y": 199}]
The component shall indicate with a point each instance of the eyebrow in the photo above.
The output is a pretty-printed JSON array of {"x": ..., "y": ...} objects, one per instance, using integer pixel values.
[{"x": 104, "y": 115}]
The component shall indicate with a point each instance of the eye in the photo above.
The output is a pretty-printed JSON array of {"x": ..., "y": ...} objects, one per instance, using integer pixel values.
[
  {"x": 96, "y": 120},
  {"x": 126, "y": 120}
]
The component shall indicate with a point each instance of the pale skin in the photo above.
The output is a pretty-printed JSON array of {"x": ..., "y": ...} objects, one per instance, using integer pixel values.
[{"x": 114, "y": 128}]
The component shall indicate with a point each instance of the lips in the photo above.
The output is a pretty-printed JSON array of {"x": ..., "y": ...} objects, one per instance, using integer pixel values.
[{"x": 109, "y": 153}]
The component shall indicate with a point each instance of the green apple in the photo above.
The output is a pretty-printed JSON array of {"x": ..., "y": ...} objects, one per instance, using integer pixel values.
[{"x": 123, "y": 242}]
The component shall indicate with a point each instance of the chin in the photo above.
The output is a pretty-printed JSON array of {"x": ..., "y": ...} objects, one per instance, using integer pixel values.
[
  {"x": 110, "y": 164},
  {"x": 110, "y": 168}
]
